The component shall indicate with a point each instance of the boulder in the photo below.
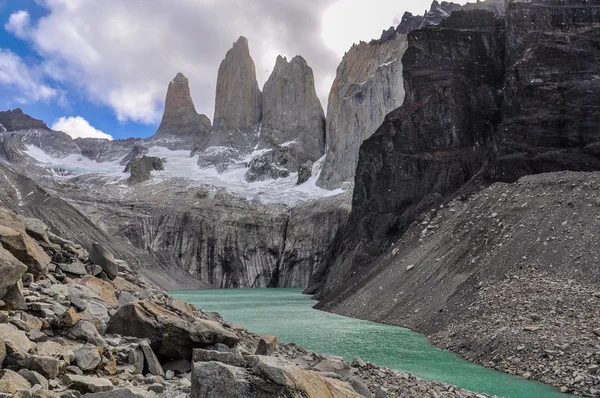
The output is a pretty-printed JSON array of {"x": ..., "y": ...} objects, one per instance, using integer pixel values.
[
  {"x": 11, "y": 382},
  {"x": 180, "y": 366},
  {"x": 11, "y": 271},
  {"x": 16, "y": 340},
  {"x": 228, "y": 358},
  {"x": 36, "y": 229},
  {"x": 266, "y": 345},
  {"x": 338, "y": 367},
  {"x": 104, "y": 290},
  {"x": 170, "y": 335},
  {"x": 217, "y": 380},
  {"x": 141, "y": 169},
  {"x": 102, "y": 257},
  {"x": 87, "y": 358},
  {"x": 86, "y": 331},
  {"x": 68, "y": 319},
  {"x": 34, "y": 378},
  {"x": 151, "y": 362},
  {"x": 87, "y": 384},
  {"x": 136, "y": 358},
  {"x": 14, "y": 299},
  {"x": 75, "y": 268},
  {"x": 47, "y": 366},
  {"x": 56, "y": 350},
  {"x": 25, "y": 249}
]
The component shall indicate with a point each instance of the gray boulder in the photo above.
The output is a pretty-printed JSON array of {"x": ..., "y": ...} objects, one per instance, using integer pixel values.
[
  {"x": 170, "y": 335},
  {"x": 141, "y": 168},
  {"x": 105, "y": 259},
  {"x": 304, "y": 172},
  {"x": 11, "y": 271}
]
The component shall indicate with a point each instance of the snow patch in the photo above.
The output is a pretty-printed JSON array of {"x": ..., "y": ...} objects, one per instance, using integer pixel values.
[{"x": 388, "y": 63}]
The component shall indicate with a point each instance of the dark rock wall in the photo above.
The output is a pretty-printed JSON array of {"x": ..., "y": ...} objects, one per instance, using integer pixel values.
[
  {"x": 433, "y": 144},
  {"x": 552, "y": 106}
]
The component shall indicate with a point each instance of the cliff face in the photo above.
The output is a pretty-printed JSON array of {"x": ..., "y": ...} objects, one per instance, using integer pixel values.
[
  {"x": 292, "y": 112},
  {"x": 180, "y": 121},
  {"x": 218, "y": 239},
  {"x": 429, "y": 147},
  {"x": 486, "y": 101},
  {"x": 552, "y": 107},
  {"x": 368, "y": 85},
  {"x": 238, "y": 104}
]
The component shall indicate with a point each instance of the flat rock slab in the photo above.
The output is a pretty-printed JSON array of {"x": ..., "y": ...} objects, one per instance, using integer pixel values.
[
  {"x": 124, "y": 393},
  {"x": 87, "y": 384}
]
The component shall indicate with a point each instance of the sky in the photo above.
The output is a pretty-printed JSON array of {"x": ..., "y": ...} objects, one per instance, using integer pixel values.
[{"x": 101, "y": 68}]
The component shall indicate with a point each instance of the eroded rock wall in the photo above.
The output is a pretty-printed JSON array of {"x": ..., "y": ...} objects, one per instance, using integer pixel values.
[{"x": 368, "y": 85}]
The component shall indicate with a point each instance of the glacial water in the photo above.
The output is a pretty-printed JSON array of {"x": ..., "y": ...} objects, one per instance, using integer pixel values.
[{"x": 288, "y": 314}]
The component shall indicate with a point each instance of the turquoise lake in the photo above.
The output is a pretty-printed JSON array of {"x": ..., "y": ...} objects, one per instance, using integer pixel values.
[{"x": 288, "y": 314}]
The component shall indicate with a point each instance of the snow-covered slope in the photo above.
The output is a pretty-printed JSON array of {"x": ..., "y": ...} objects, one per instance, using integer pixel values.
[{"x": 179, "y": 165}]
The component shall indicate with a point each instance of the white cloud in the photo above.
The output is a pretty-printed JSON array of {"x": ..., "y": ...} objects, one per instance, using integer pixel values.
[
  {"x": 124, "y": 53},
  {"x": 78, "y": 127},
  {"x": 18, "y": 23},
  {"x": 25, "y": 82}
]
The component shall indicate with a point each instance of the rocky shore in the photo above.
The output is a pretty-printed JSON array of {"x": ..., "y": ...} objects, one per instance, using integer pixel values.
[{"x": 77, "y": 322}]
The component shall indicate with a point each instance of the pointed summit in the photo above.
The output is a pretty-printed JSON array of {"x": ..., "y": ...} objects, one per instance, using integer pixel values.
[
  {"x": 292, "y": 112},
  {"x": 180, "y": 119},
  {"x": 238, "y": 104}
]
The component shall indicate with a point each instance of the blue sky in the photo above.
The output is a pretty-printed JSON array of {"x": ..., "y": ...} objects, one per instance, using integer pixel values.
[
  {"x": 104, "y": 66},
  {"x": 77, "y": 103}
]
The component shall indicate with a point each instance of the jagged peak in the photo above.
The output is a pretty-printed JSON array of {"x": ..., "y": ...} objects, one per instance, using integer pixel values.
[
  {"x": 241, "y": 45},
  {"x": 180, "y": 79}
]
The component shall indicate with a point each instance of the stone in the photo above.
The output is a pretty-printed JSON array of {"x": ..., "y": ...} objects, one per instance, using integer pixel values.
[
  {"x": 288, "y": 377},
  {"x": 359, "y": 386},
  {"x": 54, "y": 349},
  {"x": 105, "y": 259},
  {"x": 49, "y": 367},
  {"x": 292, "y": 114},
  {"x": 25, "y": 249},
  {"x": 304, "y": 172},
  {"x": 127, "y": 392},
  {"x": 11, "y": 271},
  {"x": 136, "y": 358},
  {"x": 36, "y": 229},
  {"x": 340, "y": 368},
  {"x": 16, "y": 340},
  {"x": 238, "y": 104},
  {"x": 34, "y": 378},
  {"x": 217, "y": 380},
  {"x": 151, "y": 361},
  {"x": 104, "y": 290},
  {"x": 11, "y": 382},
  {"x": 87, "y": 358},
  {"x": 141, "y": 169},
  {"x": 180, "y": 121},
  {"x": 68, "y": 319},
  {"x": 37, "y": 394},
  {"x": 20, "y": 324},
  {"x": 86, "y": 331},
  {"x": 14, "y": 299},
  {"x": 75, "y": 268},
  {"x": 27, "y": 279},
  {"x": 267, "y": 345},
  {"x": 87, "y": 384},
  {"x": 37, "y": 336},
  {"x": 170, "y": 335},
  {"x": 228, "y": 358},
  {"x": 597, "y": 332}
]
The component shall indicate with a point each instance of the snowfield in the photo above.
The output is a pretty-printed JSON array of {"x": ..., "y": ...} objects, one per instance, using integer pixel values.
[{"x": 179, "y": 165}]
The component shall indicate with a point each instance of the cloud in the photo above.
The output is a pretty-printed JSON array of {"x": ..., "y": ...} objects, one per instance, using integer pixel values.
[
  {"x": 18, "y": 24},
  {"x": 24, "y": 82},
  {"x": 78, "y": 127},
  {"x": 123, "y": 54}
]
